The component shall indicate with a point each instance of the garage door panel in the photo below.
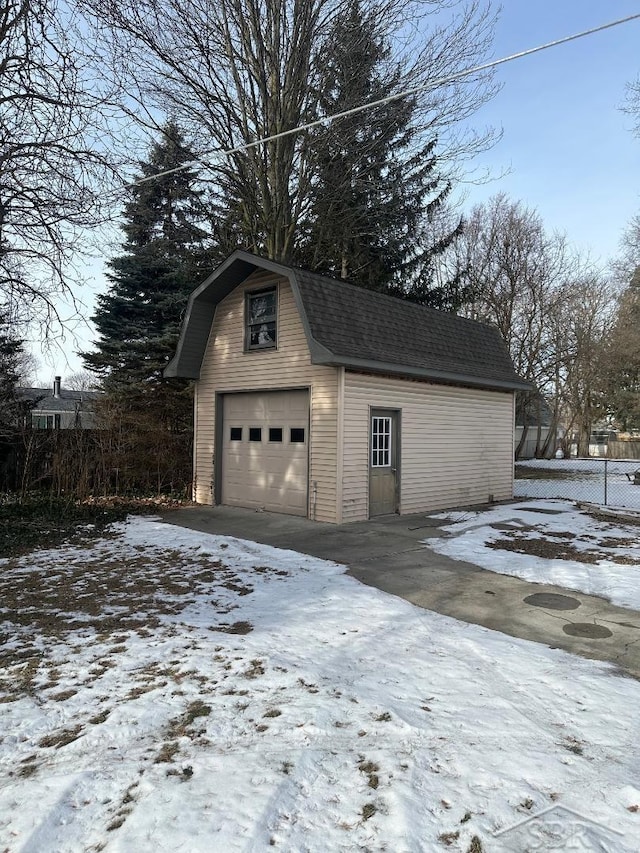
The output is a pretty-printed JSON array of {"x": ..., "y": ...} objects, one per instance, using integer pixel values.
[{"x": 268, "y": 473}]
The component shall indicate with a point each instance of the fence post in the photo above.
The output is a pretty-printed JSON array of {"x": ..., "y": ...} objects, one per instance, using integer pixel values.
[{"x": 606, "y": 461}]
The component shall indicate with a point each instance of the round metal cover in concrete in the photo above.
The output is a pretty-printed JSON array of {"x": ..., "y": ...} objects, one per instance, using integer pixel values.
[
  {"x": 587, "y": 629},
  {"x": 552, "y": 601}
]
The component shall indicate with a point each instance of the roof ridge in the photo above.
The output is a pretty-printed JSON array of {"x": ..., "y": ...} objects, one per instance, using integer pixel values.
[{"x": 396, "y": 300}]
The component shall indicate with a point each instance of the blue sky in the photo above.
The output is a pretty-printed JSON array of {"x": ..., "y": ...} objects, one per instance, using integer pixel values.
[{"x": 570, "y": 151}]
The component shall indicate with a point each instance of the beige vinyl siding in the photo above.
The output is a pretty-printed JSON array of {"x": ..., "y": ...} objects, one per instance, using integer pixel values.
[
  {"x": 456, "y": 443},
  {"x": 226, "y": 368}
]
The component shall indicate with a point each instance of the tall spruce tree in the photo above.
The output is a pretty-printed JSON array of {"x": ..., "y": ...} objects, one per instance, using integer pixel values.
[
  {"x": 11, "y": 407},
  {"x": 623, "y": 358},
  {"x": 165, "y": 257},
  {"x": 378, "y": 190}
]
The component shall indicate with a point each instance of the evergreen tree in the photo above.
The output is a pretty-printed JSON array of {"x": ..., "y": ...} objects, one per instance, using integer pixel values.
[
  {"x": 165, "y": 257},
  {"x": 623, "y": 359},
  {"x": 378, "y": 191},
  {"x": 11, "y": 408}
]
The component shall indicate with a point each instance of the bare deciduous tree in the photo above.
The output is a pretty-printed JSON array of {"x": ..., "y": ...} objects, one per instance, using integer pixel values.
[
  {"x": 581, "y": 324},
  {"x": 52, "y": 160},
  {"x": 81, "y": 380},
  {"x": 550, "y": 308},
  {"x": 627, "y": 263},
  {"x": 514, "y": 272},
  {"x": 235, "y": 71},
  {"x": 632, "y": 105}
]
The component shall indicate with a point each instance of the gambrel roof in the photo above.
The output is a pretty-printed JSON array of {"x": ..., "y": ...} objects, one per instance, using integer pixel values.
[{"x": 353, "y": 327}]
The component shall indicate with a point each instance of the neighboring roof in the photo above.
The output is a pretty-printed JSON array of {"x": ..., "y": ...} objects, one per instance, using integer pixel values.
[
  {"x": 68, "y": 401},
  {"x": 353, "y": 327}
]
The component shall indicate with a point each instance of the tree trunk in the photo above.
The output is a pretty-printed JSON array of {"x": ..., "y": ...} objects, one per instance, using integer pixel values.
[
  {"x": 521, "y": 443},
  {"x": 584, "y": 434}
]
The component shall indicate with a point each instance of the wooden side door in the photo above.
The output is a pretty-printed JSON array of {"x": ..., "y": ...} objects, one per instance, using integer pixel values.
[{"x": 384, "y": 457}]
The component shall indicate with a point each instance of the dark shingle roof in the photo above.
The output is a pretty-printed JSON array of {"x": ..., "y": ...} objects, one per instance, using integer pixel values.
[
  {"x": 358, "y": 325},
  {"x": 68, "y": 401},
  {"x": 357, "y": 328}
]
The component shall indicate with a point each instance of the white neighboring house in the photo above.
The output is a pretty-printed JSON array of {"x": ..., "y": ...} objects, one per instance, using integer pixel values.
[{"x": 60, "y": 408}]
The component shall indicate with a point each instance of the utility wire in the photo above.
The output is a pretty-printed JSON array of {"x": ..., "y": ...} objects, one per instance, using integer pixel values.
[{"x": 395, "y": 97}]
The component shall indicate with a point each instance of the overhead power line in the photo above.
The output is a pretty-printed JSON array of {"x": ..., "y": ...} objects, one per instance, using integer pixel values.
[{"x": 452, "y": 78}]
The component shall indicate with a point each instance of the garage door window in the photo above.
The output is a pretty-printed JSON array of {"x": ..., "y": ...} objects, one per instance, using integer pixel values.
[
  {"x": 275, "y": 433},
  {"x": 260, "y": 313},
  {"x": 297, "y": 435},
  {"x": 236, "y": 434},
  {"x": 255, "y": 433}
]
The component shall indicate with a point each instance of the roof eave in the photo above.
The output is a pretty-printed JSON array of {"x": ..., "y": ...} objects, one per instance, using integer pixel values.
[{"x": 372, "y": 366}]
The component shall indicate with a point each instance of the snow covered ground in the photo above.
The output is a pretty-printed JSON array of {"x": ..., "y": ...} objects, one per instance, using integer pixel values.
[
  {"x": 551, "y": 542},
  {"x": 579, "y": 480},
  {"x": 165, "y": 690}
]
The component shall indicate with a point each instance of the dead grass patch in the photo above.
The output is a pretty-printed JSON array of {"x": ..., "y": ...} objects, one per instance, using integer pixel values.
[
  {"x": 61, "y": 738},
  {"x": 167, "y": 752},
  {"x": 370, "y": 770},
  {"x": 28, "y": 770},
  {"x": 238, "y": 588},
  {"x": 573, "y": 745},
  {"x": 63, "y": 695},
  {"x": 385, "y": 717},
  {"x": 241, "y": 628},
  {"x": 619, "y": 519},
  {"x": 99, "y": 718},
  {"x": 255, "y": 670},
  {"x": 548, "y": 549},
  {"x": 111, "y": 594},
  {"x": 20, "y": 676},
  {"x": 368, "y": 811},
  {"x": 180, "y": 726},
  {"x": 118, "y": 820}
]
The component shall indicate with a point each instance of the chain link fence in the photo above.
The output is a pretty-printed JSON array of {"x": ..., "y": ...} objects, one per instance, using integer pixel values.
[{"x": 607, "y": 482}]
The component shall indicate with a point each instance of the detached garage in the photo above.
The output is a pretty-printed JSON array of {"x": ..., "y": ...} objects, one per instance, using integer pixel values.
[{"x": 314, "y": 397}]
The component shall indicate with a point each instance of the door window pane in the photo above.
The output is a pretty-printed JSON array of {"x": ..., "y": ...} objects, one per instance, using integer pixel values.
[
  {"x": 275, "y": 433},
  {"x": 297, "y": 435},
  {"x": 255, "y": 433},
  {"x": 380, "y": 442},
  {"x": 236, "y": 434}
]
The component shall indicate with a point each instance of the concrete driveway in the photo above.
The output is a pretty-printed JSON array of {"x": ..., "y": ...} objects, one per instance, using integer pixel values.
[{"x": 389, "y": 554}]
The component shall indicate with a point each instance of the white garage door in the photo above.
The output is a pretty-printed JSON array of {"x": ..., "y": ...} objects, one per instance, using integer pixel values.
[{"x": 265, "y": 450}]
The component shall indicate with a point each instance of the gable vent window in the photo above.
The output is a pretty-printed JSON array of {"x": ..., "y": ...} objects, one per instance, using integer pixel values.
[{"x": 260, "y": 313}]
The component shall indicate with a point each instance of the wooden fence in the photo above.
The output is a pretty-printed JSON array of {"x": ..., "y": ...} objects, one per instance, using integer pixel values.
[{"x": 624, "y": 449}]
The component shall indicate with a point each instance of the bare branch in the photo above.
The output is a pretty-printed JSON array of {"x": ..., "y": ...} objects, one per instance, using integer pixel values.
[{"x": 54, "y": 159}]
